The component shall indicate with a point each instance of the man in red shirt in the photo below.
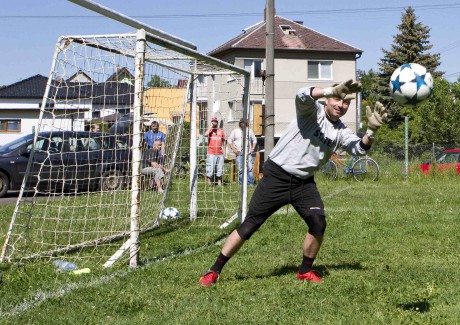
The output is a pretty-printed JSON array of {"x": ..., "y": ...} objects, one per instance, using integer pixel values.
[{"x": 215, "y": 157}]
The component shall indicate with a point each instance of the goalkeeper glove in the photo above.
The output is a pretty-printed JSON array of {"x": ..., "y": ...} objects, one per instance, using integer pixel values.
[
  {"x": 343, "y": 89},
  {"x": 375, "y": 118}
]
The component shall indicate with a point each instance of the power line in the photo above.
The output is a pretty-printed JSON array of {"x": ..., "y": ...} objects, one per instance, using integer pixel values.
[
  {"x": 450, "y": 46},
  {"x": 450, "y": 75},
  {"x": 249, "y": 14}
]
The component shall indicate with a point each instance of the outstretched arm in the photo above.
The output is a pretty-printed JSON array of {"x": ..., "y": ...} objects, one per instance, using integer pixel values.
[
  {"x": 375, "y": 119},
  {"x": 339, "y": 91}
]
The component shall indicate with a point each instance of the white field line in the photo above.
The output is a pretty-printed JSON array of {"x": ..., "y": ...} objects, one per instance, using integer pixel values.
[{"x": 42, "y": 296}]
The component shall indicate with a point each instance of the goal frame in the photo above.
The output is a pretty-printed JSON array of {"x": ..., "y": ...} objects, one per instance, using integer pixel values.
[{"x": 133, "y": 242}]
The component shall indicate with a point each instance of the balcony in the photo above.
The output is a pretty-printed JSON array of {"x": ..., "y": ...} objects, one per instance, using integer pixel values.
[{"x": 256, "y": 86}]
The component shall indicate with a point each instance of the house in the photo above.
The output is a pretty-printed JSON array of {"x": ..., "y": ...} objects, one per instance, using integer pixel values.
[
  {"x": 165, "y": 105},
  {"x": 20, "y": 107},
  {"x": 87, "y": 101},
  {"x": 303, "y": 57}
]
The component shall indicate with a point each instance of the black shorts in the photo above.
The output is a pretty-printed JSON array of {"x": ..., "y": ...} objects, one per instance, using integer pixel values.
[{"x": 278, "y": 188}]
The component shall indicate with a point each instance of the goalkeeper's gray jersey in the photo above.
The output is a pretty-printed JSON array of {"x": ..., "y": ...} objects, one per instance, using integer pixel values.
[{"x": 309, "y": 140}]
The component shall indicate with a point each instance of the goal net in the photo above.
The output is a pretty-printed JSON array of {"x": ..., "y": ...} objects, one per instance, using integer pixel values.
[{"x": 121, "y": 136}]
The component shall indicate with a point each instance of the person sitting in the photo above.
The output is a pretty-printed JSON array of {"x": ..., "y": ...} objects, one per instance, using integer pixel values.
[{"x": 155, "y": 171}]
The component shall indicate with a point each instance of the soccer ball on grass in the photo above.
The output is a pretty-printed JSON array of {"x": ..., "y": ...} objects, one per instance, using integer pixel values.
[
  {"x": 410, "y": 84},
  {"x": 170, "y": 213}
]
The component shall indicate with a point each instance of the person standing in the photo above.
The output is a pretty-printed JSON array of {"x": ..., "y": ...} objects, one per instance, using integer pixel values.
[
  {"x": 215, "y": 156},
  {"x": 307, "y": 143},
  {"x": 235, "y": 141},
  {"x": 154, "y": 134}
]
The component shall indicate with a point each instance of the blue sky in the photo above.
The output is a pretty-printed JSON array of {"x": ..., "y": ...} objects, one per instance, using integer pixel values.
[{"x": 29, "y": 29}]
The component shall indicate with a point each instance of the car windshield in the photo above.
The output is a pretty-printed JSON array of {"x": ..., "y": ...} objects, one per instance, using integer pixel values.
[
  {"x": 16, "y": 143},
  {"x": 448, "y": 158},
  {"x": 444, "y": 158}
]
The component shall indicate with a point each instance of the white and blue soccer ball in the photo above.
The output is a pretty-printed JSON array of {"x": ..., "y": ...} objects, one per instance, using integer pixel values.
[
  {"x": 411, "y": 84},
  {"x": 170, "y": 213}
]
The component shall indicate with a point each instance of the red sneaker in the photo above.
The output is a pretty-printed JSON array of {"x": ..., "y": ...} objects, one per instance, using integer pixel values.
[
  {"x": 309, "y": 276},
  {"x": 208, "y": 278}
]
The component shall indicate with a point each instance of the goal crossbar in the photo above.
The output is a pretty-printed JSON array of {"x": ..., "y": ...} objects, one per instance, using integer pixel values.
[{"x": 103, "y": 10}]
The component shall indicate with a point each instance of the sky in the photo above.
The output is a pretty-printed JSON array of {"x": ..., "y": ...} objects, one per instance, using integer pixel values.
[{"x": 29, "y": 29}]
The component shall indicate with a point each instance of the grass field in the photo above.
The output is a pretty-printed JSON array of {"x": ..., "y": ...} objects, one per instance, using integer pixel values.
[{"x": 390, "y": 256}]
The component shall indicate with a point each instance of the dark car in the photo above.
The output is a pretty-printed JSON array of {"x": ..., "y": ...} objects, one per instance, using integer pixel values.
[
  {"x": 65, "y": 160},
  {"x": 443, "y": 162}
]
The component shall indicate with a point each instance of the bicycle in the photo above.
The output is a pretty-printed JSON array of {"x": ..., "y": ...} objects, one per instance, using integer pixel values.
[
  {"x": 364, "y": 168},
  {"x": 183, "y": 167}
]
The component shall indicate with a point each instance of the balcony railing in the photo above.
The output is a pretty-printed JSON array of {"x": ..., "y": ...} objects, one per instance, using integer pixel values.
[{"x": 256, "y": 86}]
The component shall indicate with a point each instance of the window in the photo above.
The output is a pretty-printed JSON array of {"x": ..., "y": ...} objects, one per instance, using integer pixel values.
[
  {"x": 321, "y": 70},
  {"x": 10, "y": 125},
  {"x": 254, "y": 66},
  {"x": 449, "y": 158},
  {"x": 231, "y": 109},
  {"x": 18, "y": 143},
  {"x": 287, "y": 30},
  {"x": 203, "y": 116},
  {"x": 202, "y": 80},
  {"x": 53, "y": 145}
]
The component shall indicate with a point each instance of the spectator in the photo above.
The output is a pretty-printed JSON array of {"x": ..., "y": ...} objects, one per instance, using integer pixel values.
[
  {"x": 215, "y": 157},
  {"x": 235, "y": 142},
  {"x": 154, "y": 134},
  {"x": 95, "y": 128},
  {"x": 155, "y": 169}
]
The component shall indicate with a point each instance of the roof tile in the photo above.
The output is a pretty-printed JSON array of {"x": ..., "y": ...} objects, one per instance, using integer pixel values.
[{"x": 302, "y": 39}]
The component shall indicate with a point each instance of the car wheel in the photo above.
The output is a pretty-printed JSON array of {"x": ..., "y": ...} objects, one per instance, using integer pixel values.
[
  {"x": 4, "y": 184},
  {"x": 112, "y": 180}
]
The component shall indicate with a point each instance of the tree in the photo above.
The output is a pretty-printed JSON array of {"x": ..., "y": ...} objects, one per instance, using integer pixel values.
[
  {"x": 437, "y": 119},
  {"x": 411, "y": 45},
  {"x": 367, "y": 79},
  {"x": 158, "y": 82}
]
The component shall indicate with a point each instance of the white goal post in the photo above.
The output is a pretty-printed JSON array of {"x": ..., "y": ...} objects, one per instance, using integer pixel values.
[{"x": 90, "y": 193}]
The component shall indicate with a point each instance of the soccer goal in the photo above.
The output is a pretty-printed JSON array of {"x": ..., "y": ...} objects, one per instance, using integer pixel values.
[{"x": 91, "y": 188}]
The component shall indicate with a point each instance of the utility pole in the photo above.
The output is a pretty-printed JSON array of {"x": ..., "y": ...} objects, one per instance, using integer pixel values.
[{"x": 269, "y": 125}]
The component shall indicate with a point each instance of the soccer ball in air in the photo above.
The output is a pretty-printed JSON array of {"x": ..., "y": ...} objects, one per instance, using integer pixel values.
[
  {"x": 170, "y": 213},
  {"x": 410, "y": 84}
]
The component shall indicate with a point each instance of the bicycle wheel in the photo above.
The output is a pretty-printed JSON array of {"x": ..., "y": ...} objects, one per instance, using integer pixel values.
[
  {"x": 330, "y": 170},
  {"x": 180, "y": 171},
  {"x": 365, "y": 169},
  {"x": 201, "y": 170}
]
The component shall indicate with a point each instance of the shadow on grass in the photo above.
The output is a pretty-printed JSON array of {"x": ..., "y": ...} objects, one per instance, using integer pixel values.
[
  {"x": 181, "y": 251},
  {"x": 421, "y": 306},
  {"x": 292, "y": 269}
]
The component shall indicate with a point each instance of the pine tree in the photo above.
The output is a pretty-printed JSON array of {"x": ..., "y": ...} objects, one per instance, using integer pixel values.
[{"x": 411, "y": 45}]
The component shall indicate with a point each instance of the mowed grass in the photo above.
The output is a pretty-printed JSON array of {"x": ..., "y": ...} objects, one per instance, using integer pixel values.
[{"x": 390, "y": 256}]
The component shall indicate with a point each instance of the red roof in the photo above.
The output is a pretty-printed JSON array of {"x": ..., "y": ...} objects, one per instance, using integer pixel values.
[{"x": 295, "y": 37}]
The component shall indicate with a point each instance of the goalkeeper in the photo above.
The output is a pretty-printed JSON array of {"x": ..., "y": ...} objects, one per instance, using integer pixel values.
[{"x": 307, "y": 143}]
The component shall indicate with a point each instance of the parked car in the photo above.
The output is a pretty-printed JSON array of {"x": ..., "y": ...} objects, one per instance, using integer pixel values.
[
  {"x": 444, "y": 161},
  {"x": 66, "y": 160}
]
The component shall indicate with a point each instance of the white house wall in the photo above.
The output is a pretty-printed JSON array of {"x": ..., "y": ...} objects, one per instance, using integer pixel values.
[
  {"x": 291, "y": 74},
  {"x": 28, "y": 123},
  {"x": 28, "y": 110}
]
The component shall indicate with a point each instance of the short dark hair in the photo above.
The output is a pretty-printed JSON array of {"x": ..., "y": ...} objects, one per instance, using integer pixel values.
[{"x": 155, "y": 123}]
